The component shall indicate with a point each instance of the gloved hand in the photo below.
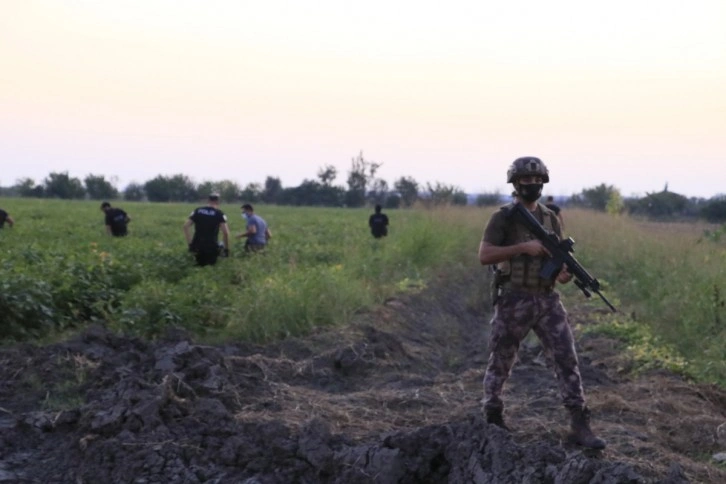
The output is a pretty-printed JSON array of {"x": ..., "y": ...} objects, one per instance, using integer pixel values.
[
  {"x": 225, "y": 252},
  {"x": 191, "y": 248}
]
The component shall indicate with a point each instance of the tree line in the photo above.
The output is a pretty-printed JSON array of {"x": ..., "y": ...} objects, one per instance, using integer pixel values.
[
  {"x": 663, "y": 205},
  {"x": 362, "y": 187}
]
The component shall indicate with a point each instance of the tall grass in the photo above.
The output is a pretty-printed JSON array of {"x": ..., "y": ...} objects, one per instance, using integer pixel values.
[{"x": 667, "y": 276}]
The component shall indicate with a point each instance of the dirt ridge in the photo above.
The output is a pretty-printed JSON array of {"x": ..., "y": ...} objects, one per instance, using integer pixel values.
[{"x": 392, "y": 398}]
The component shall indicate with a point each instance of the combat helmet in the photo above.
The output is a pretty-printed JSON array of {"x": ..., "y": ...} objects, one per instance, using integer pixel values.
[{"x": 527, "y": 166}]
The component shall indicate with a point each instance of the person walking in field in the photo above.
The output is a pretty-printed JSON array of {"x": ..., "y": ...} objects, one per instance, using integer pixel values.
[
  {"x": 5, "y": 217},
  {"x": 550, "y": 203},
  {"x": 525, "y": 302},
  {"x": 116, "y": 220},
  {"x": 378, "y": 223},
  {"x": 257, "y": 231},
  {"x": 207, "y": 222}
]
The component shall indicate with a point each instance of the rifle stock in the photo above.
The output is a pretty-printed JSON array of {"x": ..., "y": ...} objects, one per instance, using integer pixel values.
[{"x": 561, "y": 251}]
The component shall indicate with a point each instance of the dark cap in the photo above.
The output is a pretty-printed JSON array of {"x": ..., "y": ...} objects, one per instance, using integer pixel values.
[{"x": 105, "y": 205}]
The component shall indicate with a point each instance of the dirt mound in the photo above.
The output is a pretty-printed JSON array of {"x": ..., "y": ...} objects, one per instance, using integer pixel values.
[{"x": 391, "y": 398}]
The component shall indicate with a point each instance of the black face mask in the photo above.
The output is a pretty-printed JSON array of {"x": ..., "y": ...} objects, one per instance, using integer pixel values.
[{"x": 530, "y": 193}]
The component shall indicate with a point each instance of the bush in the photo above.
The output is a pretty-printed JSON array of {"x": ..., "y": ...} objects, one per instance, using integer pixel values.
[
  {"x": 663, "y": 204},
  {"x": 715, "y": 209},
  {"x": 27, "y": 307},
  {"x": 488, "y": 199}
]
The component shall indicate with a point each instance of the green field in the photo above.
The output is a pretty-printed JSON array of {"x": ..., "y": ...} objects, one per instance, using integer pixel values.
[{"x": 59, "y": 272}]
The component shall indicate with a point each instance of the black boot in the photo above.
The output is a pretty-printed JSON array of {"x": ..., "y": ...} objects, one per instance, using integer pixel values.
[
  {"x": 581, "y": 434},
  {"x": 495, "y": 417}
]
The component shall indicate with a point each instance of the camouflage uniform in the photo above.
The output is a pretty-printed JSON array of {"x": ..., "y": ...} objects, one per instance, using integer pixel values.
[
  {"x": 526, "y": 303},
  {"x": 515, "y": 315}
]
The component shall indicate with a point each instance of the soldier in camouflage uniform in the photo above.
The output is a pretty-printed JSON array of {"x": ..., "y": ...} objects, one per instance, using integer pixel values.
[{"x": 525, "y": 302}]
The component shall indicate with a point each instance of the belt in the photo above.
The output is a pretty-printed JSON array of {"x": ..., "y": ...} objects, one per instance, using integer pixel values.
[{"x": 528, "y": 290}]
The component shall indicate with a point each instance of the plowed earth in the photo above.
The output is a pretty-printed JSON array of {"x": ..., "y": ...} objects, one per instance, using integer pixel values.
[{"x": 392, "y": 398}]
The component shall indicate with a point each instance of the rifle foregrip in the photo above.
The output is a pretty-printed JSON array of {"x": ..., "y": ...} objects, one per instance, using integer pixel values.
[{"x": 561, "y": 253}]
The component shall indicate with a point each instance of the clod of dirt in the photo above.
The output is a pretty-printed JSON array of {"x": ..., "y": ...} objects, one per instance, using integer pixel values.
[{"x": 393, "y": 398}]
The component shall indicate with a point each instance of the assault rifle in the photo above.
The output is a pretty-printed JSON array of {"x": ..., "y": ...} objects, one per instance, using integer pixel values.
[{"x": 561, "y": 251}]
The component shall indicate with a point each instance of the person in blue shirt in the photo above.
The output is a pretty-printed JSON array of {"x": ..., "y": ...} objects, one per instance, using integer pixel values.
[{"x": 257, "y": 233}]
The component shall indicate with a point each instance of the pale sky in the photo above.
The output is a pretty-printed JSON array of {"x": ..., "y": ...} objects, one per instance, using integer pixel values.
[{"x": 627, "y": 92}]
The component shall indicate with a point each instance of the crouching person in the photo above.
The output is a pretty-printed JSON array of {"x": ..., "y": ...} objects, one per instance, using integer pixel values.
[
  {"x": 257, "y": 231},
  {"x": 207, "y": 222}
]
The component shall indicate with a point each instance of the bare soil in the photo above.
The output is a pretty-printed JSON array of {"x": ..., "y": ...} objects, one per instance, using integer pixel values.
[{"x": 392, "y": 398}]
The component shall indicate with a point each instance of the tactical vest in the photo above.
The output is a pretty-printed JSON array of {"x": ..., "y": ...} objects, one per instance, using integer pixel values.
[{"x": 522, "y": 271}]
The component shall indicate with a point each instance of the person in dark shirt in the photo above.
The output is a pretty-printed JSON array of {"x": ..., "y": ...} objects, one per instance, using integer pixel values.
[
  {"x": 5, "y": 217},
  {"x": 378, "y": 222},
  {"x": 555, "y": 208},
  {"x": 207, "y": 222},
  {"x": 116, "y": 220}
]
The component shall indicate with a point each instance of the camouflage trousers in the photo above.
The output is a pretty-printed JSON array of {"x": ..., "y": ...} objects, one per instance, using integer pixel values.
[{"x": 517, "y": 313}]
